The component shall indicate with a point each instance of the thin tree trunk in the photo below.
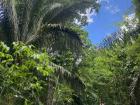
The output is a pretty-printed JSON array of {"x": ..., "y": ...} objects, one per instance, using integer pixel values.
[
  {"x": 50, "y": 91},
  {"x": 101, "y": 101},
  {"x": 137, "y": 92}
]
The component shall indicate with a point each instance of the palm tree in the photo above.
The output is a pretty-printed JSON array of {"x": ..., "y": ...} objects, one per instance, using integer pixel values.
[
  {"x": 45, "y": 23},
  {"x": 30, "y": 20}
]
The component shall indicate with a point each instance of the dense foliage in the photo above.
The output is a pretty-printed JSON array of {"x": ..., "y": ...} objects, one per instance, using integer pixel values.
[
  {"x": 23, "y": 74},
  {"x": 46, "y": 57}
]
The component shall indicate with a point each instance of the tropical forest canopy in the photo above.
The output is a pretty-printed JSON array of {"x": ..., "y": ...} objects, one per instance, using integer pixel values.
[{"x": 46, "y": 57}]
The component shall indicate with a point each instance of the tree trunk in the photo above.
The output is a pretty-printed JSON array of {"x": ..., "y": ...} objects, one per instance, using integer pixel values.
[
  {"x": 137, "y": 92},
  {"x": 50, "y": 92}
]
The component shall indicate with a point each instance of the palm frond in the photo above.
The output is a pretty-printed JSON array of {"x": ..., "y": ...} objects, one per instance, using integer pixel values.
[
  {"x": 10, "y": 14},
  {"x": 26, "y": 17},
  {"x": 24, "y": 9},
  {"x": 70, "y": 10},
  {"x": 36, "y": 21},
  {"x": 58, "y": 38},
  {"x": 66, "y": 76}
]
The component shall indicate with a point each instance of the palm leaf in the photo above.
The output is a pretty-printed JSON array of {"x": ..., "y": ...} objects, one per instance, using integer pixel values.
[
  {"x": 11, "y": 15},
  {"x": 59, "y": 38},
  {"x": 66, "y": 76},
  {"x": 26, "y": 18}
]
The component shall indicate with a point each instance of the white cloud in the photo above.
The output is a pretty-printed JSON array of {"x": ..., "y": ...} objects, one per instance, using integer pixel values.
[
  {"x": 89, "y": 14},
  {"x": 77, "y": 22},
  {"x": 112, "y": 9},
  {"x": 101, "y": 1}
]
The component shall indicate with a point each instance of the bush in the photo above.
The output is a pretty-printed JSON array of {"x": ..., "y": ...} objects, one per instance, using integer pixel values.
[{"x": 23, "y": 74}]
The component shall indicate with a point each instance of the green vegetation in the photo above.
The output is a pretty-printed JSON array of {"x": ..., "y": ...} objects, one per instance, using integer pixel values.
[
  {"x": 23, "y": 74},
  {"x": 47, "y": 59}
]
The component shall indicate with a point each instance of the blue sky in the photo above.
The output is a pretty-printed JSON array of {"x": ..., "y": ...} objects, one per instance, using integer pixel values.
[{"x": 104, "y": 22}]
